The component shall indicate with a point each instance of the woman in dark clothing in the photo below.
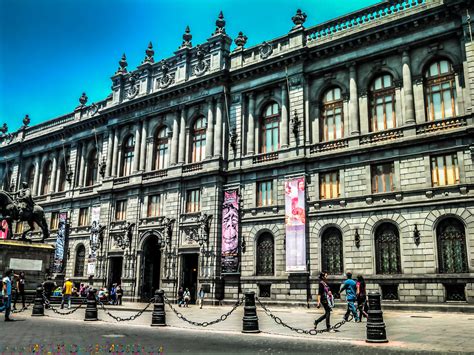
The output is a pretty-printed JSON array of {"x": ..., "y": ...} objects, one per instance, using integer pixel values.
[
  {"x": 20, "y": 290},
  {"x": 361, "y": 297},
  {"x": 180, "y": 296},
  {"x": 326, "y": 299}
]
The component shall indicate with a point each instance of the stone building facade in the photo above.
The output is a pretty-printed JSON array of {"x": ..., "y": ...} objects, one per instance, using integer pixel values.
[{"x": 373, "y": 109}]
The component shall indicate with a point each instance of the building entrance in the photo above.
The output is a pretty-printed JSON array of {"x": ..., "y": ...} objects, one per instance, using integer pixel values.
[
  {"x": 151, "y": 265},
  {"x": 115, "y": 274},
  {"x": 189, "y": 273}
]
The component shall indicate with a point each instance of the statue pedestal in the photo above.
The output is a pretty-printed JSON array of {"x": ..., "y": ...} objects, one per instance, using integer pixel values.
[{"x": 34, "y": 259}]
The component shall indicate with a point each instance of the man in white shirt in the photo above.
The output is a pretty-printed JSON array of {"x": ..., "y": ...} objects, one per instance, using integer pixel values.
[{"x": 7, "y": 294}]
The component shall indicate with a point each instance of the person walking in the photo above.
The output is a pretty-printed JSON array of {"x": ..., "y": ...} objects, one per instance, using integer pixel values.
[
  {"x": 326, "y": 299},
  {"x": 350, "y": 287},
  {"x": 361, "y": 297},
  {"x": 187, "y": 297},
  {"x": 48, "y": 287},
  {"x": 119, "y": 293},
  {"x": 201, "y": 295},
  {"x": 180, "y": 296},
  {"x": 7, "y": 294},
  {"x": 67, "y": 292},
  {"x": 20, "y": 290},
  {"x": 113, "y": 294}
]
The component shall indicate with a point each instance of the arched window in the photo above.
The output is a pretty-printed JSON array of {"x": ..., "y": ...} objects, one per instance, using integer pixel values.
[
  {"x": 387, "y": 249},
  {"x": 127, "y": 151},
  {"x": 440, "y": 91},
  {"x": 199, "y": 139},
  {"x": 382, "y": 103},
  {"x": 270, "y": 128},
  {"x": 161, "y": 160},
  {"x": 451, "y": 246},
  {"x": 30, "y": 177},
  {"x": 332, "y": 121},
  {"x": 62, "y": 175},
  {"x": 265, "y": 255},
  {"x": 80, "y": 261},
  {"x": 47, "y": 173},
  {"x": 92, "y": 168},
  {"x": 332, "y": 251}
]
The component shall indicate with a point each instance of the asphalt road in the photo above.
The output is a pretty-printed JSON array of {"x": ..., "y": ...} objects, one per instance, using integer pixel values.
[{"x": 48, "y": 334}]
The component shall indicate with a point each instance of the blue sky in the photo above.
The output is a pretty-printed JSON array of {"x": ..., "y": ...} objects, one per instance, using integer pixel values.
[{"x": 53, "y": 50}]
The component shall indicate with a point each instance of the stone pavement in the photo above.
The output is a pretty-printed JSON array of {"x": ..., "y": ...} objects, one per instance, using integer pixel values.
[{"x": 411, "y": 331}]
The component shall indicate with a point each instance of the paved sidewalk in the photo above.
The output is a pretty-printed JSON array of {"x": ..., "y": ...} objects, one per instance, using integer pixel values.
[{"x": 413, "y": 331}]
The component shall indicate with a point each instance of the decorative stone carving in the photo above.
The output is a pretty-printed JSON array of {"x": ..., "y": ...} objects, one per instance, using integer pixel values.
[
  {"x": 299, "y": 19},
  {"x": 102, "y": 167},
  {"x": 166, "y": 79},
  {"x": 233, "y": 139},
  {"x": 266, "y": 50},
  {"x": 134, "y": 85},
  {"x": 93, "y": 109},
  {"x": 295, "y": 81},
  {"x": 149, "y": 54},
  {"x": 203, "y": 64},
  {"x": 236, "y": 98},
  {"x": 26, "y": 121},
  {"x": 83, "y": 100},
  {"x": 122, "y": 65},
  {"x": 240, "y": 40},
  {"x": 187, "y": 37},
  {"x": 220, "y": 24},
  {"x": 124, "y": 240},
  {"x": 295, "y": 123}
]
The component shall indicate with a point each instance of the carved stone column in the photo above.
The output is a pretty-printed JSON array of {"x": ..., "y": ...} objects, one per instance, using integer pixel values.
[
  {"x": 218, "y": 136},
  {"x": 36, "y": 178},
  {"x": 408, "y": 90},
  {"x": 354, "y": 101},
  {"x": 284, "y": 116},
  {"x": 115, "y": 153},
  {"x": 110, "y": 150},
  {"x": 210, "y": 129},
  {"x": 182, "y": 136},
  {"x": 54, "y": 173},
  {"x": 251, "y": 125},
  {"x": 419, "y": 96},
  {"x": 136, "y": 148},
  {"x": 175, "y": 139},
  {"x": 143, "y": 145},
  {"x": 82, "y": 165}
]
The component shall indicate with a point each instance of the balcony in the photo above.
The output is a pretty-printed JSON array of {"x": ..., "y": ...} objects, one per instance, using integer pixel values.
[
  {"x": 381, "y": 136},
  {"x": 441, "y": 125},
  {"x": 122, "y": 180},
  {"x": 329, "y": 146},
  {"x": 155, "y": 174},
  {"x": 189, "y": 168},
  {"x": 262, "y": 158}
]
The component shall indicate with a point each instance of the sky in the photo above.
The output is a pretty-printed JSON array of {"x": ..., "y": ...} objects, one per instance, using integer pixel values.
[{"x": 53, "y": 50}]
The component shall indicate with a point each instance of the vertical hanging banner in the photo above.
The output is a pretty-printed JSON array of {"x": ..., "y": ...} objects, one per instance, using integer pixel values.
[
  {"x": 295, "y": 225},
  {"x": 60, "y": 243},
  {"x": 4, "y": 230},
  {"x": 230, "y": 232},
  {"x": 93, "y": 240}
]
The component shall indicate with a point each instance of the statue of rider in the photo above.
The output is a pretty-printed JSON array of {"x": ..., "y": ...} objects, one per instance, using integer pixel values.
[{"x": 24, "y": 199}]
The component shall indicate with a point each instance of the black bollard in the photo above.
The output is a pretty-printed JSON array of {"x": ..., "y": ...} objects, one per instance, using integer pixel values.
[
  {"x": 91, "y": 308},
  {"x": 375, "y": 325},
  {"x": 38, "y": 307},
  {"x": 158, "y": 317},
  {"x": 250, "y": 319}
]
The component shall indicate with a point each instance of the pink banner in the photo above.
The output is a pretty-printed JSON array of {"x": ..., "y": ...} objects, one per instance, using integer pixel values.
[
  {"x": 230, "y": 232},
  {"x": 4, "y": 230},
  {"x": 295, "y": 223}
]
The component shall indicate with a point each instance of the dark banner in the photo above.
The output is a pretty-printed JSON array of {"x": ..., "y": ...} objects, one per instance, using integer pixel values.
[
  {"x": 230, "y": 232},
  {"x": 60, "y": 243}
]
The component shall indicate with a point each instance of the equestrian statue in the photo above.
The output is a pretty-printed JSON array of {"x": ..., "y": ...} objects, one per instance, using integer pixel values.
[{"x": 19, "y": 206}]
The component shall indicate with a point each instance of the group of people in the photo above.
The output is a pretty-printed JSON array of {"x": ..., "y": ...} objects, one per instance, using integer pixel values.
[
  {"x": 12, "y": 282},
  {"x": 184, "y": 297},
  {"x": 356, "y": 298}
]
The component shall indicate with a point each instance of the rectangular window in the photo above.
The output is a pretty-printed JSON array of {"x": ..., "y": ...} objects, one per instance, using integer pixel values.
[
  {"x": 83, "y": 217},
  {"x": 193, "y": 201},
  {"x": 154, "y": 206},
  {"x": 54, "y": 223},
  {"x": 382, "y": 177},
  {"x": 265, "y": 193},
  {"x": 329, "y": 185},
  {"x": 445, "y": 170},
  {"x": 121, "y": 210}
]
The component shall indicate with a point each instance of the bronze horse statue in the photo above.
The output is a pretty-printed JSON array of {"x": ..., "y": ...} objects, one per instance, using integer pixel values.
[{"x": 10, "y": 211}]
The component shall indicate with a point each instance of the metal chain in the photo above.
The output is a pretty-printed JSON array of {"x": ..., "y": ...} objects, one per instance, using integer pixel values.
[
  {"x": 204, "y": 324},
  {"x": 55, "y": 309},
  {"x": 22, "y": 310},
  {"x": 278, "y": 320},
  {"x": 120, "y": 319}
]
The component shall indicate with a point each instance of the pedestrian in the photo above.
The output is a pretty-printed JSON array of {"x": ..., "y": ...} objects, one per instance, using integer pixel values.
[
  {"x": 7, "y": 294},
  {"x": 113, "y": 294},
  {"x": 187, "y": 297},
  {"x": 48, "y": 286},
  {"x": 119, "y": 293},
  {"x": 20, "y": 290},
  {"x": 350, "y": 287},
  {"x": 180, "y": 296},
  {"x": 326, "y": 299},
  {"x": 82, "y": 290},
  {"x": 67, "y": 292},
  {"x": 361, "y": 297},
  {"x": 201, "y": 295}
]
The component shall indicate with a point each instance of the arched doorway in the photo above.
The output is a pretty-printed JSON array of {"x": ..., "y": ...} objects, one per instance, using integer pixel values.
[{"x": 151, "y": 265}]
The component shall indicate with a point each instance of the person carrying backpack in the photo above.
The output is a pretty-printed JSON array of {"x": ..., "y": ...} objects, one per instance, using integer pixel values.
[{"x": 326, "y": 299}]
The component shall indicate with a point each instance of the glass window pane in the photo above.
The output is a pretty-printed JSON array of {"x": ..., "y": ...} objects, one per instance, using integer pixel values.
[
  {"x": 441, "y": 169},
  {"x": 448, "y": 108},
  {"x": 437, "y": 106},
  {"x": 434, "y": 69},
  {"x": 387, "y": 81},
  {"x": 444, "y": 66},
  {"x": 337, "y": 94},
  {"x": 389, "y": 113}
]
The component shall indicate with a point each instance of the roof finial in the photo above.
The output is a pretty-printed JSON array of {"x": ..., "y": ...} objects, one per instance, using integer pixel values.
[
  {"x": 83, "y": 99},
  {"x": 220, "y": 24},
  {"x": 123, "y": 65},
  {"x": 149, "y": 54},
  {"x": 187, "y": 37},
  {"x": 240, "y": 40},
  {"x": 26, "y": 121},
  {"x": 298, "y": 19}
]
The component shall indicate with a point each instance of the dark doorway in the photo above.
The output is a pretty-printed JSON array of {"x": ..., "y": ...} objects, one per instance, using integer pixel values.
[
  {"x": 151, "y": 265},
  {"x": 115, "y": 271},
  {"x": 189, "y": 274}
]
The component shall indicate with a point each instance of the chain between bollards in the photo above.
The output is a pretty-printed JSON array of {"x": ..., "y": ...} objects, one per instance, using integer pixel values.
[
  {"x": 158, "y": 317},
  {"x": 38, "y": 307},
  {"x": 91, "y": 308},
  {"x": 375, "y": 325},
  {"x": 250, "y": 319}
]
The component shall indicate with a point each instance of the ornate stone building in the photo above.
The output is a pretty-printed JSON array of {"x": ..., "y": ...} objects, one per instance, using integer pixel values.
[{"x": 374, "y": 110}]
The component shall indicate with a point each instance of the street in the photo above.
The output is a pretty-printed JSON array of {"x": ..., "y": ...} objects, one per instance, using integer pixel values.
[{"x": 426, "y": 332}]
